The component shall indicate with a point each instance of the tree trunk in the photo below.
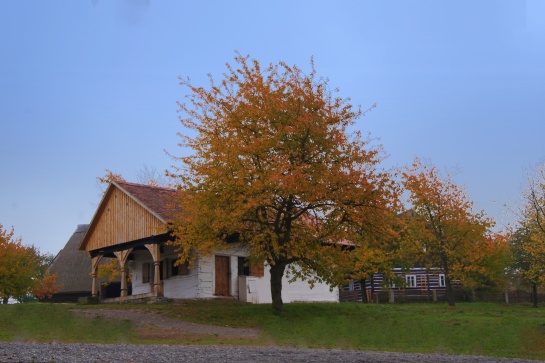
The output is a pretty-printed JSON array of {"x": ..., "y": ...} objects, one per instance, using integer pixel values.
[
  {"x": 5, "y": 300},
  {"x": 277, "y": 272},
  {"x": 534, "y": 295},
  {"x": 449, "y": 292},
  {"x": 363, "y": 291}
]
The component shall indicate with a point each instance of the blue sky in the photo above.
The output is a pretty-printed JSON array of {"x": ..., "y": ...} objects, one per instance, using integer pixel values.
[{"x": 92, "y": 85}]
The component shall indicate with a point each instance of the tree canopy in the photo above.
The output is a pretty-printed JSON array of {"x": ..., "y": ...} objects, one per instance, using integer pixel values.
[
  {"x": 273, "y": 167},
  {"x": 528, "y": 239},
  {"x": 22, "y": 267},
  {"x": 447, "y": 232}
]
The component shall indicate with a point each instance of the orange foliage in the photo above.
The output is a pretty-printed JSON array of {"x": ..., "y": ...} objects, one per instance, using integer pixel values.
[
  {"x": 274, "y": 168},
  {"x": 109, "y": 177},
  {"x": 19, "y": 266},
  {"x": 111, "y": 271},
  {"x": 46, "y": 287},
  {"x": 449, "y": 234}
]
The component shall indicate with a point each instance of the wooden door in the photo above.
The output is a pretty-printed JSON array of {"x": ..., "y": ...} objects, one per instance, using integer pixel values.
[{"x": 222, "y": 275}]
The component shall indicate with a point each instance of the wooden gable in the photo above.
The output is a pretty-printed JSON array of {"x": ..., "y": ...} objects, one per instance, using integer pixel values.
[{"x": 121, "y": 218}]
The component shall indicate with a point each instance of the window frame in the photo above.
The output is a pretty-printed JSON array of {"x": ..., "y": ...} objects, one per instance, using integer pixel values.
[
  {"x": 441, "y": 280},
  {"x": 411, "y": 281}
]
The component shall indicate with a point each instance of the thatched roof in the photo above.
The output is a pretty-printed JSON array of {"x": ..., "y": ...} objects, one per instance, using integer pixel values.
[{"x": 72, "y": 266}]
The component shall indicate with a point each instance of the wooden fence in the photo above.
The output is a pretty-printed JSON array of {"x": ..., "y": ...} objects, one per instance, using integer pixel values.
[{"x": 460, "y": 295}]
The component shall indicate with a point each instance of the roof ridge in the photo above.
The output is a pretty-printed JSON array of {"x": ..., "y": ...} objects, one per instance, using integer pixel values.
[{"x": 146, "y": 185}]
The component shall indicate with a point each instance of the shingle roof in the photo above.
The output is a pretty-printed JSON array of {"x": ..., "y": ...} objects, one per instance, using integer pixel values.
[{"x": 159, "y": 200}]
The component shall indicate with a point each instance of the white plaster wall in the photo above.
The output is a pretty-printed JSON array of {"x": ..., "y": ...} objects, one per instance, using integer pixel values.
[
  {"x": 200, "y": 281},
  {"x": 184, "y": 286},
  {"x": 298, "y": 290},
  {"x": 206, "y": 277},
  {"x": 181, "y": 287}
]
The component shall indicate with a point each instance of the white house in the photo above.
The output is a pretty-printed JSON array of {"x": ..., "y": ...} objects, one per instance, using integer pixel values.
[{"x": 131, "y": 224}]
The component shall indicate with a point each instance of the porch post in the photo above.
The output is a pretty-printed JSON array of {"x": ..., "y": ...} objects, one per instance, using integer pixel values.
[
  {"x": 123, "y": 281},
  {"x": 157, "y": 279},
  {"x": 155, "y": 251},
  {"x": 122, "y": 257},
  {"x": 94, "y": 269},
  {"x": 94, "y": 284}
]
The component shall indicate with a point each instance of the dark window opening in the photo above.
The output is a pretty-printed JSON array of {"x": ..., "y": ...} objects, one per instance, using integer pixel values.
[
  {"x": 246, "y": 268},
  {"x": 179, "y": 269},
  {"x": 243, "y": 266}
]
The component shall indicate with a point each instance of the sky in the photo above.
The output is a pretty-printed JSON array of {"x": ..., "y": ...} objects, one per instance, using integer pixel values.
[{"x": 92, "y": 85}]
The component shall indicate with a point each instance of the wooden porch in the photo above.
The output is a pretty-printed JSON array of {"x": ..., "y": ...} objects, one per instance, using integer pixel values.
[{"x": 129, "y": 218}]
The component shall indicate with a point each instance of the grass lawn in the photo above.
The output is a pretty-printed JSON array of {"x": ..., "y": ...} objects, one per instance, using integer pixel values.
[{"x": 469, "y": 328}]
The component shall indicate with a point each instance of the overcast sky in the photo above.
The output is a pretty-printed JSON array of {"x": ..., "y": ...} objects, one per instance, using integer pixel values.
[{"x": 91, "y": 85}]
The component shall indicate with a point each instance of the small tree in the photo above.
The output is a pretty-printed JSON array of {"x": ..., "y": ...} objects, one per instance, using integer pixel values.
[
  {"x": 451, "y": 236},
  {"x": 273, "y": 168},
  {"x": 528, "y": 259},
  {"x": 19, "y": 266},
  {"x": 528, "y": 239},
  {"x": 46, "y": 287}
]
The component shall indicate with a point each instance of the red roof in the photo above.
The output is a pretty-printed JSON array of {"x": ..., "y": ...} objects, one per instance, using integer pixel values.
[{"x": 159, "y": 200}]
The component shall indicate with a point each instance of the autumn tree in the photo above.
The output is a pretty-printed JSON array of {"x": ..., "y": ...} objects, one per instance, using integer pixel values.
[
  {"x": 46, "y": 286},
  {"x": 528, "y": 259},
  {"x": 19, "y": 266},
  {"x": 528, "y": 239},
  {"x": 450, "y": 235},
  {"x": 492, "y": 272},
  {"x": 273, "y": 168}
]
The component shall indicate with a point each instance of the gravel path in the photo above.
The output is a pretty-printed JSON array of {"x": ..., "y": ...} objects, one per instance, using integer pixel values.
[{"x": 61, "y": 353}]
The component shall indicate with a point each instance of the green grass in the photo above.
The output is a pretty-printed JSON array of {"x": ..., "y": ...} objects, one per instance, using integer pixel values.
[
  {"x": 54, "y": 323},
  {"x": 469, "y": 328}
]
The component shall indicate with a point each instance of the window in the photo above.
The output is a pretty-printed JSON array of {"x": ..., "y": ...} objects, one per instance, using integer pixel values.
[
  {"x": 178, "y": 269},
  {"x": 410, "y": 280},
  {"x": 243, "y": 266},
  {"x": 148, "y": 272},
  {"x": 145, "y": 273},
  {"x": 246, "y": 268},
  {"x": 442, "y": 282}
]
